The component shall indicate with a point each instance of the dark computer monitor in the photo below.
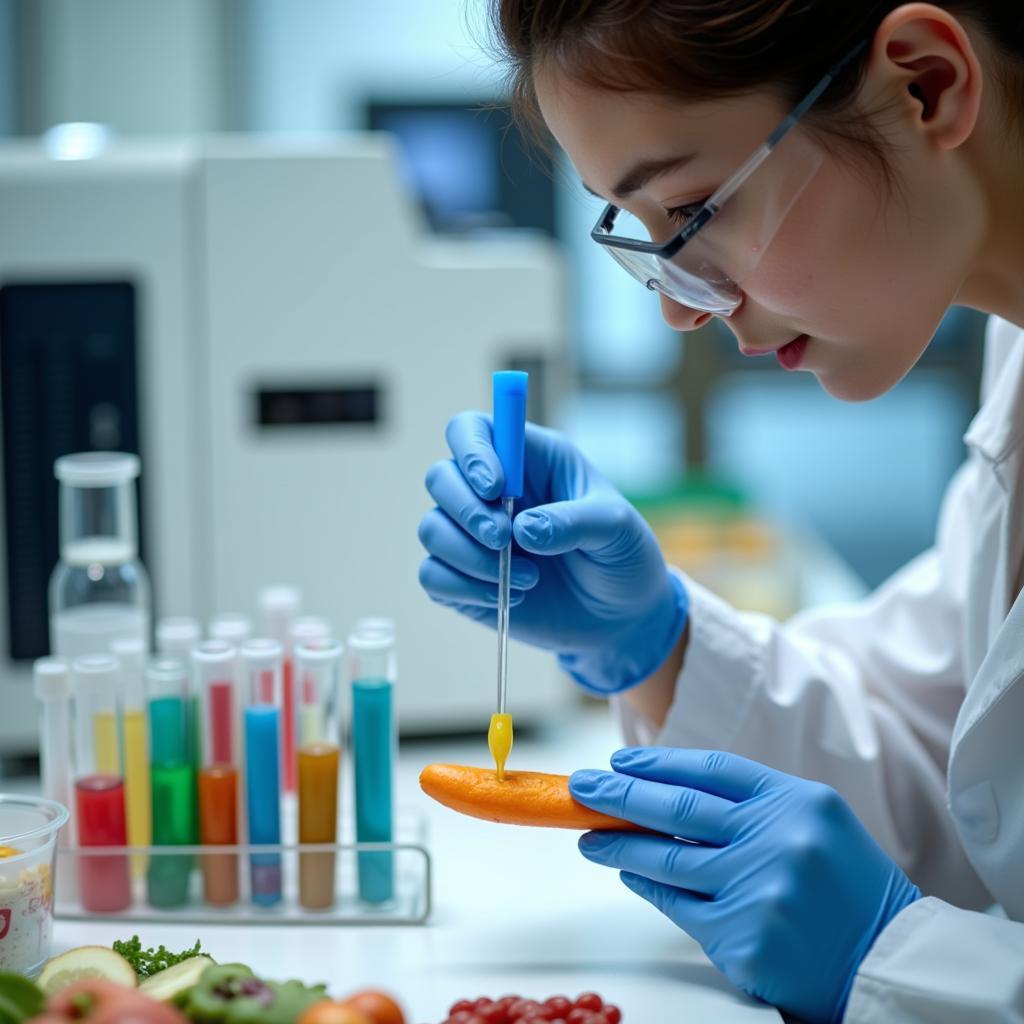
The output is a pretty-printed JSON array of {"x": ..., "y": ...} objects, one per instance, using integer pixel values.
[{"x": 469, "y": 165}]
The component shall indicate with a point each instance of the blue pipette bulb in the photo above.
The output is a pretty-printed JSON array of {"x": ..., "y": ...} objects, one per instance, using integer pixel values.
[{"x": 510, "y": 428}]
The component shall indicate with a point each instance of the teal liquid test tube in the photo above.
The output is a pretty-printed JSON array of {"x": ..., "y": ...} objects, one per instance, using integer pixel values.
[
  {"x": 173, "y": 780},
  {"x": 176, "y": 636},
  {"x": 371, "y": 653},
  {"x": 262, "y": 659}
]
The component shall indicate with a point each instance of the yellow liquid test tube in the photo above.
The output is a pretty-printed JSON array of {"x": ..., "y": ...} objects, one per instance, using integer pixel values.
[
  {"x": 138, "y": 793},
  {"x": 106, "y": 743},
  {"x": 499, "y": 740}
]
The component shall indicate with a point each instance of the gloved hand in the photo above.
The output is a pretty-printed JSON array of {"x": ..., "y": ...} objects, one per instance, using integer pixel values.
[
  {"x": 782, "y": 886},
  {"x": 595, "y": 588}
]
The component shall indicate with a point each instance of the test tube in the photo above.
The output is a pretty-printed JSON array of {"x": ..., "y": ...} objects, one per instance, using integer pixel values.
[
  {"x": 262, "y": 658},
  {"x": 317, "y": 667},
  {"x": 104, "y": 882},
  {"x": 176, "y": 635},
  {"x": 371, "y": 664},
  {"x": 172, "y": 777},
  {"x": 52, "y": 682},
  {"x": 213, "y": 669},
  {"x": 303, "y": 630},
  {"x": 279, "y": 606},
  {"x": 131, "y": 655}
]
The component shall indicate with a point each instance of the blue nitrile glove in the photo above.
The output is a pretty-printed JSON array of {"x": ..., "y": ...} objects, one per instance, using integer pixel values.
[
  {"x": 782, "y": 886},
  {"x": 595, "y": 589}
]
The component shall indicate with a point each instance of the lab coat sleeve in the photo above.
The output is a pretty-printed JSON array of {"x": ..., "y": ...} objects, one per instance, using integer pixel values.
[
  {"x": 862, "y": 696},
  {"x": 938, "y": 964}
]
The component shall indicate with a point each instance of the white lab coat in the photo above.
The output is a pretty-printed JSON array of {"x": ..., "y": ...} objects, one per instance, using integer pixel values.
[{"x": 911, "y": 704}]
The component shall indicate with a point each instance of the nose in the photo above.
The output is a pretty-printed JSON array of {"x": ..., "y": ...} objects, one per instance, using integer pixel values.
[{"x": 680, "y": 317}]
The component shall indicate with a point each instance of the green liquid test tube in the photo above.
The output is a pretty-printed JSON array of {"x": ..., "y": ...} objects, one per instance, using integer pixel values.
[{"x": 173, "y": 781}]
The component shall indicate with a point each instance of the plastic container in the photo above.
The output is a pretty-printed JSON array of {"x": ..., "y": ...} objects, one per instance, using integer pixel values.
[
  {"x": 29, "y": 826},
  {"x": 99, "y": 590}
]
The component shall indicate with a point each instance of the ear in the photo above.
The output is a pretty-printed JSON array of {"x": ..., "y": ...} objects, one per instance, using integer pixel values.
[{"x": 923, "y": 55}]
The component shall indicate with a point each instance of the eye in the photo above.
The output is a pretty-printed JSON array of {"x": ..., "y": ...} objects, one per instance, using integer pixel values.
[{"x": 681, "y": 214}]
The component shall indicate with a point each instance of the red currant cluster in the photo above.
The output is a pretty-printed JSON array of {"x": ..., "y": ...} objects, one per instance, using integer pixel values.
[{"x": 587, "y": 1008}]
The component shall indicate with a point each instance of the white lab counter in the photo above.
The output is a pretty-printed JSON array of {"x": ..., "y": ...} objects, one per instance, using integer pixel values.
[{"x": 515, "y": 910}]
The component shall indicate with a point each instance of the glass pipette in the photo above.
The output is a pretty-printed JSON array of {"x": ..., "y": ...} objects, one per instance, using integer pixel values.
[{"x": 509, "y": 433}]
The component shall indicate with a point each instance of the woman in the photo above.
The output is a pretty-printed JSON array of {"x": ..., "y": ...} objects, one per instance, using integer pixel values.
[{"x": 846, "y": 880}]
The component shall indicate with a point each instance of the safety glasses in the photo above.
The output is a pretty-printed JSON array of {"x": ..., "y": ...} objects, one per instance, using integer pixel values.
[{"x": 705, "y": 263}]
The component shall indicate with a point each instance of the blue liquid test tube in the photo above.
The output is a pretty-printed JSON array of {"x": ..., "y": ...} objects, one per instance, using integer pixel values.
[
  {"x": 372, "y": 673},
  {"x": 262, "y": 661}
]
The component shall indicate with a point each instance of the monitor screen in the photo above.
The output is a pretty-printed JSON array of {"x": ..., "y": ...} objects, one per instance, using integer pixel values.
[{"x": 469, "y": 165}]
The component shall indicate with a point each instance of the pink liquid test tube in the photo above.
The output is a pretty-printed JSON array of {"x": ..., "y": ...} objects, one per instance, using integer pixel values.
[
  {"x": 279, "y": 607},
  {"x": 104, "y": 881}
]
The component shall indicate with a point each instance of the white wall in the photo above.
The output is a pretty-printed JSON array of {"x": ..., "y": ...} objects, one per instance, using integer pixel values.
[{"x": 141, "y": 66}]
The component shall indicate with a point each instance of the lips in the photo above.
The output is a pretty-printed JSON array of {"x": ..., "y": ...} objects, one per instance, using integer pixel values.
[{"x": 791, "y": 355}]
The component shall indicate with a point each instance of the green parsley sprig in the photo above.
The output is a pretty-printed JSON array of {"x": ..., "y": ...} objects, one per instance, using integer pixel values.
[{"x": 147, "y": 962}]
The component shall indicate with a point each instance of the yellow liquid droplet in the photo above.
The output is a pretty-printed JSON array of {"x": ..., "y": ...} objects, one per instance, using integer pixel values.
[
  {"x": 8, "y": 851},
  {"x": 499, "y": 739}
]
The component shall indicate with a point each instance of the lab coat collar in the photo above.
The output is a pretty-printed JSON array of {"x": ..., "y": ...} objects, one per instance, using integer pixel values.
[{"x": 998, "y": 428}]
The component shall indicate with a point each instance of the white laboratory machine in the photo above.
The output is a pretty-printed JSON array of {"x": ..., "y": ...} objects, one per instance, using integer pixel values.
[{"x": 272, "y": 329}]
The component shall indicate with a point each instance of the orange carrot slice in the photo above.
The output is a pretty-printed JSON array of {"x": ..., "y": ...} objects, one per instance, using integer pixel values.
[{"x": 523, "y": 798}]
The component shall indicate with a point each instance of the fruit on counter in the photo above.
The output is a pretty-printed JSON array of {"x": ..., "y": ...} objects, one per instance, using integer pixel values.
[
  {"x": 586, "y": 1008},
  {"x": 86, "y": 962},
  {"x": 147, "y": 962},
  {"x": 232, "y": 994},
  {"x": 104, "y": 1002},
  {"x": 377, "y": 1005},
  {"x": 332, "y": 1011},
  {"x": 19, "y": 998},
  {"x": 522, "y": 798},
  {"x": 172, "y": 981}
]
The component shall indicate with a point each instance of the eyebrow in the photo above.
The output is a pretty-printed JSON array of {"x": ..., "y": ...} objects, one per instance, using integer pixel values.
[{"x": 642, "y": 173}]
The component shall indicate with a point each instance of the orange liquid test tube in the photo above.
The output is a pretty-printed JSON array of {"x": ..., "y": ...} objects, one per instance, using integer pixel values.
[
  {"x": 214, "y": 672},
  {"x": 317, "y": 667}
]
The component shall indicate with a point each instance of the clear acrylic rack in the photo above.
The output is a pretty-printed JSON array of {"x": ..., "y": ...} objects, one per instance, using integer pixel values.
[{"x": 407, "y": 864}]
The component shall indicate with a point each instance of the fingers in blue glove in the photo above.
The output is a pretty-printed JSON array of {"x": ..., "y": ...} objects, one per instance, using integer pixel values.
[
  {"x": 690, "y": 911},
  {"x": 592, "y": 524},
  {"x": 673, "y": 810},
  {"x": 450, "y": 587},
  {"x": 449, "y": 544},
  {"x": 690, "y": 866},
  {"x": 453, "y": 494},
  {"x": 469, "y": 436},
  {"x": 713, "y": 771}
]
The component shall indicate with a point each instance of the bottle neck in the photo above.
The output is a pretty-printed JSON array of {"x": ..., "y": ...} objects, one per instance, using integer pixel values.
[{"x": 97, "y": 524}]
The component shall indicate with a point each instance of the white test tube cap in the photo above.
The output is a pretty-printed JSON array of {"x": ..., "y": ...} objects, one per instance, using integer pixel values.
[
  {"x": 177, "y": 635},
  {"x": 231, "y": 627},
  {"x": 370, "y": 640},
  {"x": 97, "y": 671},
  {"x": 375, "y": 624},
  {"x": 214, "y": 652},
  {"x": 278, "y": 604},
  {"x": 51, "y": 679},
  {"x": 307, "y": 628},
  {"x": 130, "y": 651},
  {"x": 262, "y": 651}
]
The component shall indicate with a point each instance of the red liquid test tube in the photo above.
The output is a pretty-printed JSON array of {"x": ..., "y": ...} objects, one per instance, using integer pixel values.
[{"x": 104, "y": 881}]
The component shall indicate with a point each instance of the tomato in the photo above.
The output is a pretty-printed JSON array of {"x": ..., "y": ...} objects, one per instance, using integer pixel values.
[
  {"x": 377, "y": 1005},
  {"x": 102, "y": 1002},
  {"x": 332, "y": 1011},
  {"x": 589, "y": 1001},
  {"x": 613, "y": 1013}
]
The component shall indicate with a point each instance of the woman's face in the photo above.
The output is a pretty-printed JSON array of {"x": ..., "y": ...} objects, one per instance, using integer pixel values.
[{"x": 864, "y": 272}]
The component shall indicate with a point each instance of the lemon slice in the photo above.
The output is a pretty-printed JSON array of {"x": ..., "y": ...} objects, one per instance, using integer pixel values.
[{"x": 85, "y": 962}]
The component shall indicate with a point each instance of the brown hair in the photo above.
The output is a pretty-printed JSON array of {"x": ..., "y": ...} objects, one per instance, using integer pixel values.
[{"x": 701, "y": 49}]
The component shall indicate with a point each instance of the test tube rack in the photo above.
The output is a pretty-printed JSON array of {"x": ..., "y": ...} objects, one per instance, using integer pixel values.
[{"x": 410, "y": 904}]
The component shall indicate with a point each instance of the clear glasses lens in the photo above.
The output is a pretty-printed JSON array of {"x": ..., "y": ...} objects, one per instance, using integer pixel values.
[{"x": 710, "y": 270}]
